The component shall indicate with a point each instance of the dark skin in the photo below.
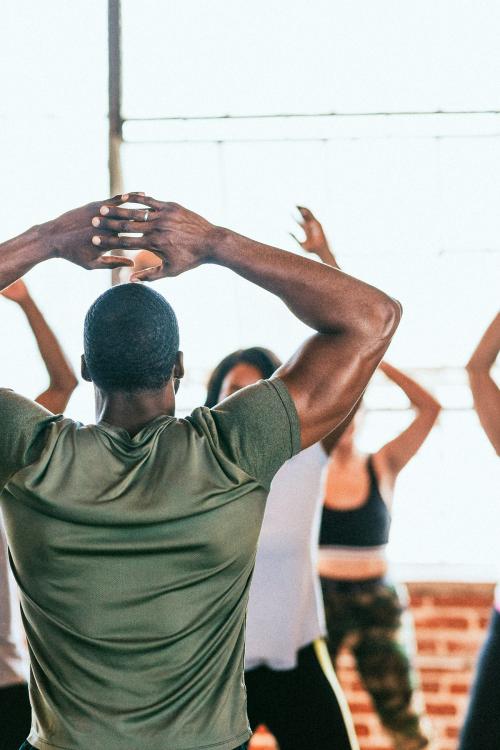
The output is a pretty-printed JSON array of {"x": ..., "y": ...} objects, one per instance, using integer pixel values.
[
  {"x": 354, "y": 322},
  {"x": 69, "y": 237},
  {"x": 394, "y": 455},
  {"x": 133, "y": 411},
  {"x": 244, "y": 374}
]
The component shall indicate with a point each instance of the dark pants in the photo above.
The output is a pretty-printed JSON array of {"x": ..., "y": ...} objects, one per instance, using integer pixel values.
[
  {"x": 481, "y": 730},
  {"x": 299, "y": 706},
  {"x": 370, "y": 615},
  {"x": 15, "y": 716}
]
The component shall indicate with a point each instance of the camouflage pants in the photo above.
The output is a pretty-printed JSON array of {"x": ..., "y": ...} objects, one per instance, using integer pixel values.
[{"x": 369, "y": 618}]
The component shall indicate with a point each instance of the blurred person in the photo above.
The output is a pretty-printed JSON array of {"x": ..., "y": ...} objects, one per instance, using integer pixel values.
[
  {"x": 62, "y": 379},
  {"x": 291, "y": 685},
  {"x": 484, "y": 389},
  {"x": 481, "y": 730},
  {"x": 15, "y": 712},
  {"x": 143, "y": 528},
  {"x": 364, "y": 608}
]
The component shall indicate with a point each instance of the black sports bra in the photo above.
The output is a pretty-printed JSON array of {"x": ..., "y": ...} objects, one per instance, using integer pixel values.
[{"x": 365, "y": 526}]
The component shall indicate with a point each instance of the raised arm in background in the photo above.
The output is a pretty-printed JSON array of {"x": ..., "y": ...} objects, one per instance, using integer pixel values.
[
  {"x": 354, "y": 322},
  {"x": 484, "y": 389},
  {"x": 62, "y": 381},
  {"x": 315, "y": 241},
  {"x": 396, "y": 454}
]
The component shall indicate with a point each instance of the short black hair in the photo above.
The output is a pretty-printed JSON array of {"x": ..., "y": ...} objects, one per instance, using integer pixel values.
[
  {"x": 262, "y": 359},
  {"x": 131, "y": 339}
]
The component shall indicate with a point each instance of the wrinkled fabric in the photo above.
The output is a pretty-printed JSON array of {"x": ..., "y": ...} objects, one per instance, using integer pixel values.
[{"x": 134, "y": 557}]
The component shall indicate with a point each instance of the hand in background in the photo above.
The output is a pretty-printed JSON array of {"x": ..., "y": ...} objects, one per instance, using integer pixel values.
[{"x": 315, "y": 239}]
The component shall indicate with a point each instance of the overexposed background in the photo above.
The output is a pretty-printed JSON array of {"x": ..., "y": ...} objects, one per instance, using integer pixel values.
[{"x": 382, "y": 117}]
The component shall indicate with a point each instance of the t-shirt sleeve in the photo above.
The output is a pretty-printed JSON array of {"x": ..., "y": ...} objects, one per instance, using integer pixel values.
[
  {"x": 22, "y": 426},
  {"x": 258, "y": 428}
]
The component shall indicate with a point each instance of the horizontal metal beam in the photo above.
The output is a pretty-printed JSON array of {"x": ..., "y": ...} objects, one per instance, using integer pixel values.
[{"x": 284, "y": 115}]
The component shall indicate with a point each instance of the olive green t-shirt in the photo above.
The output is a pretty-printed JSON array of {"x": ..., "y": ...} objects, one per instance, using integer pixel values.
[{"x": 134, "y": 558}]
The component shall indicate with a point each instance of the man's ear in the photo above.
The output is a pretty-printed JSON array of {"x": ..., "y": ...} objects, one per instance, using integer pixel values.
[
  {"x": 85, "y": 370},
  {"x": 179, "y": 366}
]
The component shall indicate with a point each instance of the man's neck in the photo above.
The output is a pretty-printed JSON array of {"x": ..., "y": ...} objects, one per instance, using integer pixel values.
[{"x": 133, "y": 411}]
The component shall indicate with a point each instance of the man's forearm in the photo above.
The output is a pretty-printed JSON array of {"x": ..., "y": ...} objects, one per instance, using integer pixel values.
[
  {"x": 22, "y": 253},
  {"x": 326, "y": 299}
]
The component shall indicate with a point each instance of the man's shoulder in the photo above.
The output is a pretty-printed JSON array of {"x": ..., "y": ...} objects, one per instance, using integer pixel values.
[{"x": 19, "y": 412}]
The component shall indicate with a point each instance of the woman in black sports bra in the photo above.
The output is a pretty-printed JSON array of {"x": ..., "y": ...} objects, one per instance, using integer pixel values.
[{"x": 360, "y": 603}]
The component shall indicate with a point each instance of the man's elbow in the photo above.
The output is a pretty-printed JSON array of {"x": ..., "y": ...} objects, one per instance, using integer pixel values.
[{"x": 386, "y": 318}]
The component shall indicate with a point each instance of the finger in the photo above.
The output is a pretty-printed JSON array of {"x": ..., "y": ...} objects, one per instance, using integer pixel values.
[
  {"x": 150, "y": 274},
  {"x": 128, "y": 214},
  {"x": 296, "y": 239},
  {"x": 113, "y": 261},
  {"x": 111, "y": 242},
  {"x": 307, "y": 215},
  {"x": 122, "y": 198},
  {"x": 118, "y": 225},
  {"x": 146, "y": 200}
]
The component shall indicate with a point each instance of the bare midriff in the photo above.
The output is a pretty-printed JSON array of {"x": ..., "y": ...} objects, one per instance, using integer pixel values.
[{"x": 352, "y": 567}]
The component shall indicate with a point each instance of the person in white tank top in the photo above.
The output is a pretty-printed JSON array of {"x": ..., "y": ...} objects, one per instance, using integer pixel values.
[
  {"x": 291, "y": 684},
  {"x": 15, "y": 712}
]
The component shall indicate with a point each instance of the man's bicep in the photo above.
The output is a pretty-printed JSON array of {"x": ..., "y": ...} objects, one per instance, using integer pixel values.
[
  {"x": 258, "y": 428},
  {"x": 22, "y": 423},
  {"x": 326, "y": 378}
]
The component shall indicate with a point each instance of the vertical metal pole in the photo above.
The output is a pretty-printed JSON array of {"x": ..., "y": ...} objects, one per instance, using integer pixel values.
[{"x": 115, "y": 100}]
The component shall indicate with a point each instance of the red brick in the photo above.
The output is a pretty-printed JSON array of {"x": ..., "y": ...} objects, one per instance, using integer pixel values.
[
  {"x": 441, "y": 709},
  {"x": 452, "y": 732},
  {"x": 474, "y": 601},
  {"x": 362, "y": 730},
  {"x": 459, "y": 688},
  {"x": 430, "y": 687},
  {"x": 444, "y": 623},
  {"x": 416, "y": 601},
  {"x": 437, "y": 671},
  {"x": 360, "y": 708},
  {"x": 461, "y": 647},
  {"x": 426, "y": 646}
]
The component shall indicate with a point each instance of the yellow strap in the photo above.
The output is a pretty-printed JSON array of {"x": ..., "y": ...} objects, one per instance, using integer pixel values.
[{"x": 323, "y": 657}]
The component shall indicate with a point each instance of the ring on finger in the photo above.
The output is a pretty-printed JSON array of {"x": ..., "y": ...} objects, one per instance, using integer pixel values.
[{"x": 146, "y": 214}]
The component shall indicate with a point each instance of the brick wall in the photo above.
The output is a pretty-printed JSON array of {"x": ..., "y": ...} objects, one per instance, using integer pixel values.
[{"x": 450, "y": 623}]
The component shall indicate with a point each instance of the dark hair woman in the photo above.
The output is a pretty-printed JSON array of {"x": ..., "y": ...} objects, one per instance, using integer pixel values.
[{"x": 291, "y": 684}]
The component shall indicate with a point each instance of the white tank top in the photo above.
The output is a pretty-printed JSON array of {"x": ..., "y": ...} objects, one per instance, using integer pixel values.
[
  {"x": 285, "y": 610},
  {"x": 13, "y": 657}
]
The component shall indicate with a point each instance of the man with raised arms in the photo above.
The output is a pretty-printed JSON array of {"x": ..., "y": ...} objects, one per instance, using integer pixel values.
[{"x": 133, "y": 540}]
